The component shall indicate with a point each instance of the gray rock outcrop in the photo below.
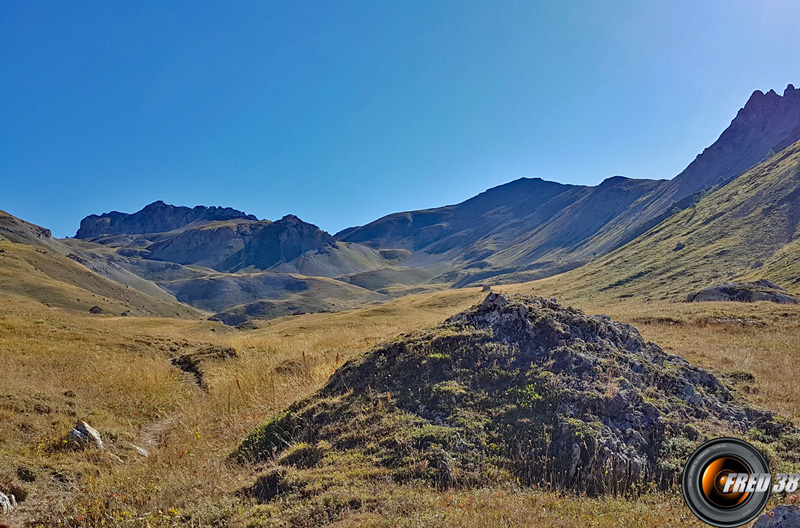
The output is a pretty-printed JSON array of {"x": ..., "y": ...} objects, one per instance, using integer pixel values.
[
  {"x": 762, "y": 290},
  {"x": 553, "y": 395},
  {"x": 783, "y": 516}
]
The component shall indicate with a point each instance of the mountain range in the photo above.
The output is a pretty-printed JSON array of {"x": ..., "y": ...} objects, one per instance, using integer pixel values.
[{"x": 733, "y": 204}]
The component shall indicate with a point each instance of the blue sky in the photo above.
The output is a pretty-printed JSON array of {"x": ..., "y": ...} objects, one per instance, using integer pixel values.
[{"x": 341, "y": 112}]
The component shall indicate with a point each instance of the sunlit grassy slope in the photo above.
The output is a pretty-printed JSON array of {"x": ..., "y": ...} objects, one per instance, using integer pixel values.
[
  {"x": 114, "y": 372},
  {"x": 53, "y": 279},
  {"x": 748, "y": 229}
]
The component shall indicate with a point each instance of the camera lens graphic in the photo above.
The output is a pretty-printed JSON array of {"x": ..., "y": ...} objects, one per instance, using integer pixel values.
[
  {"x": 716, "y": 475},
  {"x": 709, "y": 469}
]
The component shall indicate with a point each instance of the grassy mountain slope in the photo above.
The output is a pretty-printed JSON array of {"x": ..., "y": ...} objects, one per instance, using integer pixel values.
[
  {"x": 749, "y": 229},
  {"x": 36, "y": 266}
]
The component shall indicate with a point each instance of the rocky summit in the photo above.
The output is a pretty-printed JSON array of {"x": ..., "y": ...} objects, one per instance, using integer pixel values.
[
  {"x": 516, "y": 387},
  {"x": 158, "y": 217}
]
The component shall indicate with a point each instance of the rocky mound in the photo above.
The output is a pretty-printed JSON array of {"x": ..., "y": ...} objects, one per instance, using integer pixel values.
[
  {"x": 514, "y": 388},
  {"x": 762, "y": 290}
]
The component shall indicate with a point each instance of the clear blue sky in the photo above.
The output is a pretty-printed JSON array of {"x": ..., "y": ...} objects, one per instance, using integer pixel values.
[{"x": 341, "y": 112}]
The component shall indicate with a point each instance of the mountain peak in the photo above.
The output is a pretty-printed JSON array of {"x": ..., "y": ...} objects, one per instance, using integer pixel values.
[
  {"x": 759, "y": 100},
  {"x": 766, "y": 123},
  {"x": 290, "y": 218},
  {"x": 613, "y": 180}
]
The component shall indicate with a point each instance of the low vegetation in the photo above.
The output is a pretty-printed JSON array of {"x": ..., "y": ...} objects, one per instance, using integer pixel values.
[{"x": 115, "y": 373}]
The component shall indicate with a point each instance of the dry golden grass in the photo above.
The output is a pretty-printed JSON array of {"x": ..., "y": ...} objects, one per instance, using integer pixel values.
[
  {"x": 123, "y": 384},
  {"x": 45, "y": 275}
]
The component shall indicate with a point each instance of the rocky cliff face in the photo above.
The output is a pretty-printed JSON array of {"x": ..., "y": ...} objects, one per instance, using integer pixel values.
[
  {"x": 221, "y": 238},
  {"x": 767, "y": 124},
  {"x": 158, "y": 217},
  {"x": 281, "y": 241}
]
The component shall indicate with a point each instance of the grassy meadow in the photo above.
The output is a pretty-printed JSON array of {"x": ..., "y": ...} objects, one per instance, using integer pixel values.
[{"x": 114, "y": 372}]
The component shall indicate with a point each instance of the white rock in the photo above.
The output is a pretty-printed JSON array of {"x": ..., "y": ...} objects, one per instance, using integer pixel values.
[
  {"x": 85, "y": 435},
  {"x": 7, "y": 503},
  {"x": 142, "y": 452}
]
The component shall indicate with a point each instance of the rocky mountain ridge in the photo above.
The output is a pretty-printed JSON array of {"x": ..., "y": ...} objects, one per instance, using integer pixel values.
[
  {"x": 158, "y": 217},
  {"x": 747, "y": 230},
  {"x": 558, "y": 227}
]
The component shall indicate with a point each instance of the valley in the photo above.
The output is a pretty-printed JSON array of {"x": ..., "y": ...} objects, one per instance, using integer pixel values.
[{"x": 235, "y": 267}]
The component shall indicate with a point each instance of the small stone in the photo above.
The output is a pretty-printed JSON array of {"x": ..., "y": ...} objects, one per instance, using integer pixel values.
[
  {"x": 142, "y": 452},
  {"x": 495, "y": 300}
]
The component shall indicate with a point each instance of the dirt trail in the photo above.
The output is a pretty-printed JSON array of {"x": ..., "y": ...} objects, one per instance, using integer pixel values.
[{"x": 152, "y": 435}]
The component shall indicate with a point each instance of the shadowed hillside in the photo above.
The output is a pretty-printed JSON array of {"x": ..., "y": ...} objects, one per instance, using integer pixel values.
[{"x": 536, "y": 228}]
